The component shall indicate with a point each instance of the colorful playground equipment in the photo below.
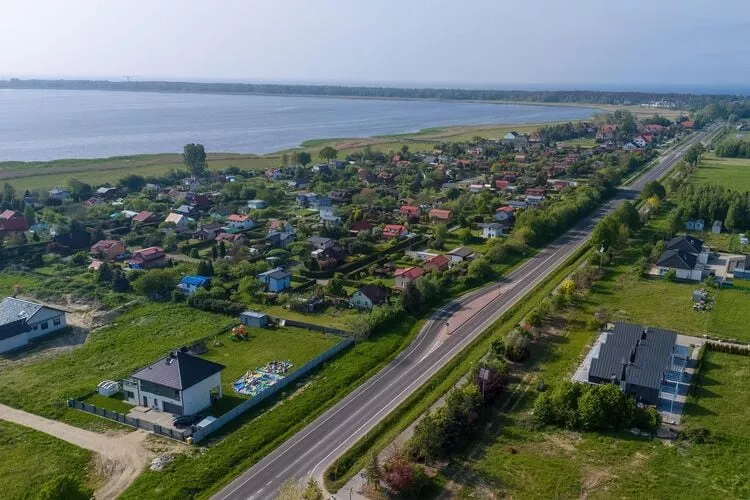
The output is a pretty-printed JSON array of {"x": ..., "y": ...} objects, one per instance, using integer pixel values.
[
  {"x": 256, "y": 381},
  {"x": 239, "y": 333}
]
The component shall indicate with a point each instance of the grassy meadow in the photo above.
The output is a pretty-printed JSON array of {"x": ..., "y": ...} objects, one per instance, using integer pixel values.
[
  {"x": 30, "y": 459},
  {"x": 731, "y": 173}
]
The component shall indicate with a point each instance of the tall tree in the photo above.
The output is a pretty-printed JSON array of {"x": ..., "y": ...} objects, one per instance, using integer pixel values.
[
  {"x": 694, "y": 153},
  {"x": 304, "y": 158},
  {"x": 328, "y": 153},
  {"x": 194, "y": 157}
]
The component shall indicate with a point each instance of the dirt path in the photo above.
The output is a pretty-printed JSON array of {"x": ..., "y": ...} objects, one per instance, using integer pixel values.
[{"x": 121, "y": 458}]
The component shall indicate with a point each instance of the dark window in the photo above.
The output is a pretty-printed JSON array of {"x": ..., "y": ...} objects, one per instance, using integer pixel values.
[
  {"x": 56, "y": 321},
  {"x": 160, "y": 390},
  {"x": 44, "y": 325},
  {"x": 130, "y": 394}
]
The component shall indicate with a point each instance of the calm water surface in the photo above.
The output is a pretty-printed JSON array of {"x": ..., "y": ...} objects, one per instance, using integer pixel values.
[{"x": 52, "y": 124}]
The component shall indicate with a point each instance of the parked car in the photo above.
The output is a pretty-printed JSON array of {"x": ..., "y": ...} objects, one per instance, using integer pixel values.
[{"x": 185, "y": 420}]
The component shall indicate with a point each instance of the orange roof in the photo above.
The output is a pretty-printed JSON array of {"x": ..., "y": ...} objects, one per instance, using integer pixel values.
[
  {"x": 409, "y": 210},
  {"x": 410, "y": 272},
  {"x": 238, "y": 218},
  {"x": 440, "y": 213},
  {"x": 438, "y": 261}
]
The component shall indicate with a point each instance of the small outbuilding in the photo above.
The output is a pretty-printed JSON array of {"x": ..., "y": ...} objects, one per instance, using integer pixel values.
[{"x": 254, "y": 319}]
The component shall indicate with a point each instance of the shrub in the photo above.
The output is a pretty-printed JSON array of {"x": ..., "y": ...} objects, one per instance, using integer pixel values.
[
  {"x": 516, "y": 345},
  {"x": 695, "y": 435}
]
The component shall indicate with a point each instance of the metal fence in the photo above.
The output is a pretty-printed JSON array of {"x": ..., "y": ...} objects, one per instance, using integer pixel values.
[
  {"x": 235, "y": 412},
  {"x": 179, "y": 435}
]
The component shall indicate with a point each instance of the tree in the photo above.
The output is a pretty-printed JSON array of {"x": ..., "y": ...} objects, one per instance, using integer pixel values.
[
  {"x": 284, "y": 159},
  {"x": 205, "y": 268},
  {"x": 312, "y": 490},
  {"x": 674, "y": 221},
  {"x": 694, "y": 153},
  {"x": 628, "y": 215},
  {"x": 120, "y": 282},
  {"x": 156, "y": 284},
  {"x": 133, "y": 183},
  {"x": 30, "y": 215},
  {"x": 304, "y": 158},
  {"x": 516, "y": 345},
  {"x": 289, "y": 490},
  {"x": 372, "y": 470},
  {"x": 568, "y": 287},
  {"x": 328, "y": 153},
  {"x": 335, "y": 285},
  {"x": 671, "y": 275},
  {"x": 9, "y": 192},
  {"x": 653, "y": 188},
  {"x": 105, "y": 273},
  {"x": 80, "y": 190},
  {"x": 65, "y": 487},
  {"x": 411, "y": 299},
  {"x": 194, "y": 157}
]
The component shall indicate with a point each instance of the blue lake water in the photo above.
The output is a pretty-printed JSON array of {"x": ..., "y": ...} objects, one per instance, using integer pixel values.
[{"x": 52, "y": 124}]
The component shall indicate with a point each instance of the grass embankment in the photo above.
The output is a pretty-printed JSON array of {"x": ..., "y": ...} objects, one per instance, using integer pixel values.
[
  {"x": 420, "y": 401},
  {"x": 31, "y": 458},
  {"x": 265, "y": 427}
]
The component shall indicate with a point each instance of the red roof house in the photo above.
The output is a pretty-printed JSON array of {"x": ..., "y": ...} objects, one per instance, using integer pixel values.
[
  {"x": 12, "y": 221},
  {"x": 441, "y": 214},
  {"x": 410, "y": 212},
  {"x": 144, "y": 217},
  {"x": 391, "y": 231},
  {"x": 148, "y": 258},
  {"x": 407, "y": 275},
  {"x": 437, "y": 263}
]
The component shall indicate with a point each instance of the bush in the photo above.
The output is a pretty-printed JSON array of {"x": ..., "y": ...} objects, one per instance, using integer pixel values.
[
  {"x": 516, "y": 345},
  {"x": 695, "y": 435}
]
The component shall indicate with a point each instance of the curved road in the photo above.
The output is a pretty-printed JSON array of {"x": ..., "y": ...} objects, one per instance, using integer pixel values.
[{"x": 314, "y": 448}]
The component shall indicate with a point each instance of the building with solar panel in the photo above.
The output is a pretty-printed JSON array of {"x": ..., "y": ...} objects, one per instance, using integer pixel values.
[{"x": 645, "y": 362}]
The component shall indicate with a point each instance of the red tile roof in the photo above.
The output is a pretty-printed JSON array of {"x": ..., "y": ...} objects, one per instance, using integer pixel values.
[
  {"x": 410, "y": 272},
  {"x": 505, "y": 208},
  {"x": 143, "y": 216},
  {"x": 409, "y": 210},
  {"x": 439, "y": 213},
  {"x": 438, "y": 261}
]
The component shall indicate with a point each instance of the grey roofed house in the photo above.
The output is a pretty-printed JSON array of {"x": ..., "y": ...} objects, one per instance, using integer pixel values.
[
  {"x": 677, "y": 259},
  {"x": 462, "y": 252},
  {"x": 636, "y": 358},
  {"x": 178, "y": 371},
  {"x": 686, "y": 244},
  {"x": 278, "y": 274},
  {"x": 319, "y": 240},
  {"x": 12, "y": 310}
]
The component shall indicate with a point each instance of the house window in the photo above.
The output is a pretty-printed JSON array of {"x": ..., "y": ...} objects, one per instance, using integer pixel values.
[
  {"x": 44, "y": 325},
  {"x": 56, "y": 321},
  {"x": 130, "y": 394}
]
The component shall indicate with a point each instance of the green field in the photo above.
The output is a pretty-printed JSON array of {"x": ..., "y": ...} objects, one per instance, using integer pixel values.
[
  {"x": 138, "y": 337},
  {"x": 732, "y": 173},
  {"x": 30, "y": 459},
  {"x": 515, "y": 459}
]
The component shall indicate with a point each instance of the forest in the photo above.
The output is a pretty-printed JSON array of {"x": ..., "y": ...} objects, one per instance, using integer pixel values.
[{"x": 693, "y": 101}]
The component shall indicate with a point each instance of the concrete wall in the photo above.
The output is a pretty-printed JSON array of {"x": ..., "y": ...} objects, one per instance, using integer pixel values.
[
  {"x": 45, "y": 316},
  {"x": 198, "y": 397}
]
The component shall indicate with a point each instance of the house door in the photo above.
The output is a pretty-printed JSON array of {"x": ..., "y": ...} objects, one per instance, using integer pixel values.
[{"x": 145, "y": 401}]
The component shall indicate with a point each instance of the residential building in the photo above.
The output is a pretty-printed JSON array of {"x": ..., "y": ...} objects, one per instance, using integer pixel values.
[
  {"x": 391, "y": 231},
  {"x": 359, "y": 226},
  {"x": 207, "y": 231},
  {"x": 13, "y": 221},
  {"x": 240, "y": 222},
  {"x": 406, "y": 276},
  {"x": 504, "y": 213},
  {"x": 235, "y": 239},
  {"x": 276, "y": 280},
  {"x": 492, "y": 230},
  {"x": 22, "y": 321},
  {"x": 440, "y": 215},
  {"x": 180, "y": 384},
  {"x": 637, "y": 359},
  {"x": 148, "y": 258},
  {"x": 436, "y": 263},
  {"x": 59, "y": 194},
  {"x": 411, "y": 212},
  {"x": 107, "y": 193},
  {"x": 190, "y": 284},
  {"x": 108, "y": 249},
  {"x": 367, "y": 297},
  {"x": 461, "y": 254},
  {"x": 254, "y": 319},
  {"x": 686, "y": 256},
  {"x": 256, "y": 204},
  {"x": 144, "y": 217},
  {"x": 742, "y": 269},
  {"x": 178, "y": 219},
  {"x": 321, "y": 242}
]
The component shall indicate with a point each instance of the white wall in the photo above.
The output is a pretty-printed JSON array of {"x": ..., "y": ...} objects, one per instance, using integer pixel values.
[
  {"x": 198, "y": 397},
  {"x": 45, "y": 315}
]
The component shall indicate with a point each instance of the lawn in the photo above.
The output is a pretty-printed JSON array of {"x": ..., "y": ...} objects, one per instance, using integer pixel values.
[
  {"x": 331, "y": 317},
  {"x": 135, "y": 339},
  {"x": 30, "y": 459},
  {"x": 294, "y": 345},
  {"x": 732, "y": 173},
  {"x": 514, "y": 458},
  {"x": 8, "y": 282},
  {"x": 584, "y": 142}
]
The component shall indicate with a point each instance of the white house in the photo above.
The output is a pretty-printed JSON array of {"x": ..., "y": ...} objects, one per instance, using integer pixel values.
[
  {"x": 492, "y": 230},
  {"x": 256, "y": 204},
  {"x": 367, "y": 297},
  {"x": 686, "y": 256},
  {"x": 241, "y": 222},
  {"x": 179, "y": 383},
  {"x": 695, "y": 225},
  {"x": 22, "y": 321}
]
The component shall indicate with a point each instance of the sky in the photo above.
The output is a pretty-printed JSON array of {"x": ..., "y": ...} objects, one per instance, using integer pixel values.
[{"x": 469, "y": 43}]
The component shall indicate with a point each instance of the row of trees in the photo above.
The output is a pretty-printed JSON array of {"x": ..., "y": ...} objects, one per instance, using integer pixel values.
[
  {"x": 735, "y": 148},
  {"x": 711, "y": 202},
  {"x": 574, "y": 405}
]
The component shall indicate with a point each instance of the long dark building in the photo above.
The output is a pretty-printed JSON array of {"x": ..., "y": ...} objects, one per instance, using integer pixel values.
[{"x": 638, "y": 359}]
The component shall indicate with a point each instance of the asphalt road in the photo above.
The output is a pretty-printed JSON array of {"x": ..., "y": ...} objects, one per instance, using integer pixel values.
[{"x": 314, "y": 448}]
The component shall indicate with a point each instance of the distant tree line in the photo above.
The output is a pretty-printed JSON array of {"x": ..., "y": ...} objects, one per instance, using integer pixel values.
[
  {"x": 694, "y": 101},
  {"x": 733, "y": 148}
]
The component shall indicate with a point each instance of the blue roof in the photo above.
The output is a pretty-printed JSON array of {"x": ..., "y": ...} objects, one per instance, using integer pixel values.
[{"x": 195, "y": 280}]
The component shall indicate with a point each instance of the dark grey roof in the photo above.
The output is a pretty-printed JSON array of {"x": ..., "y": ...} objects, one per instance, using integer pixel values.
[
  {"x": 650, "y": 355},
  {"x": 278, "y": 274},
  {"x": 677, "y": 259},
  {"x": 11, "y": 310},
  {"x": 318, "y": 239},
  {"x": 13, "y": 329},
  {"x": 686, "y": 244},
  {"x": 375, "y": 293},
  {"x": 179, "y": 371},
  {"x": 462, "y": 252}
]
